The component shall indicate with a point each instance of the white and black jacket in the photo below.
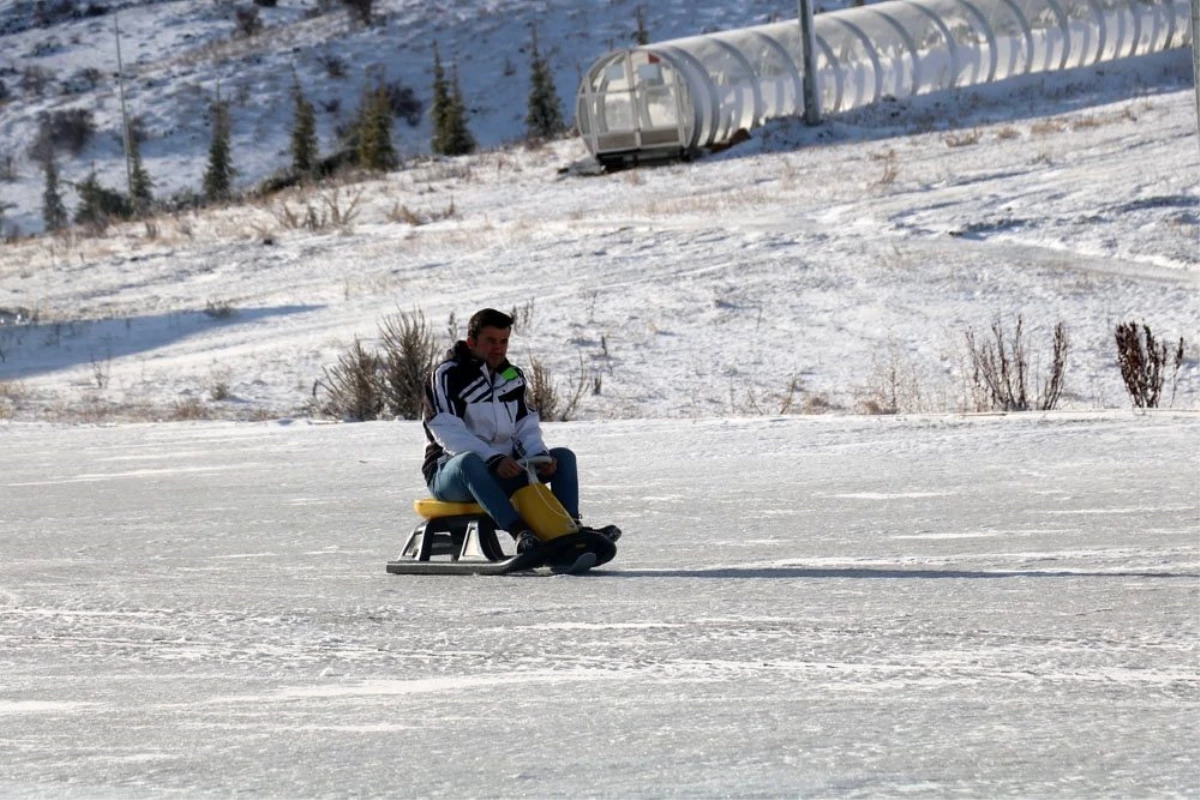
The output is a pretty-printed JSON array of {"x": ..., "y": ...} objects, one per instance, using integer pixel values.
[{"x": 469, "y": 411}]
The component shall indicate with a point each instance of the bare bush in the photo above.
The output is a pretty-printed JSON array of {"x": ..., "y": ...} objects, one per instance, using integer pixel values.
[
  {"x": 360, "y": 9},
  {"x": 410, "y": 351},
  {"x": 70, "y": 129},
  {"x": 351, "y": 387},
  {"x": 190, "y": 409},
  {"x": 247, "y": 21},
  {"x": 891, "y": 167},
  {"x": 332, "y": 212},
  {"x": 963, "y": 139},
  {"x": 544, "y": 395},
  {"x": 389, "y": 383},
  {"x": 335, "y": 65},
  {"x": 768, "y": 404},
  {"x": 404, "y": 103},
  {"x": 8, "y": 168},
  {"x": 1000, "y": 370},
  {"x": 894, "y": 385},
  {"x": 402, "y": 213},
  {"x": 219, "y": 309},
  {"x": 522, "y": 316},
  {"x": 1144, "y": 361},
  {"x": 35, "y": 80}
]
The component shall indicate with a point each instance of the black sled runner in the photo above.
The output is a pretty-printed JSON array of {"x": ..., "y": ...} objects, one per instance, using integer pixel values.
[{"x": 460, "y": 539}]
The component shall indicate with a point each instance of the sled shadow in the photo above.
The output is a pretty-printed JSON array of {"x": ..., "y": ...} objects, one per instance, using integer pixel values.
[
  {"x": 856, "y": 573},
  {"x": 36, "y": 348}
]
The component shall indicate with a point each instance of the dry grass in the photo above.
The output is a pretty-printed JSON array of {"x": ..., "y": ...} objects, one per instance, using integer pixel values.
[
  {"x": 402, "y": 214},
  {"x": 965, "y": 139},
  {"x": 1047, "y": 127},
  {"x": 191, "y": 408},
  {"x": 891, "y": 167}
]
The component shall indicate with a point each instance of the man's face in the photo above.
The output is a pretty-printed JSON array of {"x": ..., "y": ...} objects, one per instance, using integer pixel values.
[{"x": 491, "y": 345}]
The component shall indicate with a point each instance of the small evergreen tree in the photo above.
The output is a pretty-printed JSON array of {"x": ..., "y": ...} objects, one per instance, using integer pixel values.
[
  {"x": 139, "y": 186},
  {"x": 545, "y": 119},
  {"x": 98, "y": 204},
  {"x": 441, "y": 104},
  {"x": 304, "y": 135},
  {"x": 641, "y": 36},
  {"x": 54, "y": 213},
  {"x": 375, "y": 149},
  {"x": 218, "y": 178},
  {"x": 458, "y": 138}
]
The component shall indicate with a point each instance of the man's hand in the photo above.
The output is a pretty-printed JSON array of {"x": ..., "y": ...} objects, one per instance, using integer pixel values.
[
  {"x": 547, "y": 470},
  {"x": 508, "y": 468}
]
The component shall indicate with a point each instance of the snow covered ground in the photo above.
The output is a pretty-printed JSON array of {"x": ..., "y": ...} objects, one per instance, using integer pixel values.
[
  {"x": 848, "y": 263},
  {"x": 823, "y": 606},
  {"x": 821, "y": 603}
]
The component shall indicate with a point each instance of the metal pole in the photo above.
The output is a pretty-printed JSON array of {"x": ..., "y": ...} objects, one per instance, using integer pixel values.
[
  {"x": 812, "y": 102},
  {"x": 124, "y": 113},
  {"x": 1196, "y": 59}
]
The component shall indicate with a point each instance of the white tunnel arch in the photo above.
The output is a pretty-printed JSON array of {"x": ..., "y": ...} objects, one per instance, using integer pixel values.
[{"x": 685, "y": 94}]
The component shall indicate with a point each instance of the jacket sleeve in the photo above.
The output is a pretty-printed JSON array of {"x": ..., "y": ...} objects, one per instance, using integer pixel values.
[{"x": 443, "y": 418}]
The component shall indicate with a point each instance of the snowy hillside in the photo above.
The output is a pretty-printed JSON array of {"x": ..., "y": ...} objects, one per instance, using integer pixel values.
[
  {"x": 831, "y": 269},
  {"x": 178, "y": 54}
]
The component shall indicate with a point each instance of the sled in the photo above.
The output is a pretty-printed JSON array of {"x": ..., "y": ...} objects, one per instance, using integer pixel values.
[{"x": 460, "y": 539}]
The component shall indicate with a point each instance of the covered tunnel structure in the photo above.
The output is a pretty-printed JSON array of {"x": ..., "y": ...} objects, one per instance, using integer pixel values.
[{"x": 682, "y": 95}]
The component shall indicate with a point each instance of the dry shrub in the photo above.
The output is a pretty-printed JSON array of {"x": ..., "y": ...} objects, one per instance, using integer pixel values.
[
  {"x": 190, "y": 409},
  {"x": 891, "y": 167},
  {"x": 351, "y": 387},
  {"x": 402, "y": 213},
  {"x": 894, "y": 385},
  {"x": 1000, "y": 370},
  {"x": 1144, "y": 361},
  {"x": 543, "y": 392},
  {"x": 409, "y": 354},
  {"x": 330, "y": 212},
  {"x": 366, "y": 385},
  {"x": 767, "y": 403},
  {"x": 963, "y": 139},
  {"x": 1047, "y": 126}
]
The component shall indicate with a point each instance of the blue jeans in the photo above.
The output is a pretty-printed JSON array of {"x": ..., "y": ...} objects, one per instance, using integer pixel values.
[{"x": 466, "y": 478}]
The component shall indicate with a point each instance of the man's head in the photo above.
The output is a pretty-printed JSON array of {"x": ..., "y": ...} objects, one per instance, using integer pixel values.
[{"x": 487, "y": 336}]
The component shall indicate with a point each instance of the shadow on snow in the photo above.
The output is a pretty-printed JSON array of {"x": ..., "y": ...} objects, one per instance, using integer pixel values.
[
  {"x": 37, "y": 348},
  {"x": 759, "y": 573}
]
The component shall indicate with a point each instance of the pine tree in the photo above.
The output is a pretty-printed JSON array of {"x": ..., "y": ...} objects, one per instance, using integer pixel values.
[
  {"x": 218, "y": 178},
  {"x": 641, "y": 36},
  {"x": 375, "y": 148},
  {"x": 98, "y": 204},
  {"x": 459, "y": 140},
  {"x": 304, "y": 135},
  {"x": 544, "y": 120},
  {"x": 441, "y": 104},
  {"x": 54, "y": 213},
  {"x": 140, "y": 183}
]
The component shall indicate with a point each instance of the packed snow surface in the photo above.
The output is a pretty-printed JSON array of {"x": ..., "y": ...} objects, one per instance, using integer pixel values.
[{"x": 843, "y": 606}]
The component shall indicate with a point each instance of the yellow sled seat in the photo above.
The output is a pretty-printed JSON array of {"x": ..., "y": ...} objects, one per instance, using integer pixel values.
[{"x": 429, "y": 508}]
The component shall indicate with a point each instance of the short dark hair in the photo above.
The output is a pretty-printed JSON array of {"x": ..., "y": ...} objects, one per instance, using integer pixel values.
[{"x": 487, "y": 318}]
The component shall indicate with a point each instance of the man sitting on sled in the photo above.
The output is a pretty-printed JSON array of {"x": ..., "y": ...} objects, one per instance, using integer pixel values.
[{"x": 478, "y": 423}]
